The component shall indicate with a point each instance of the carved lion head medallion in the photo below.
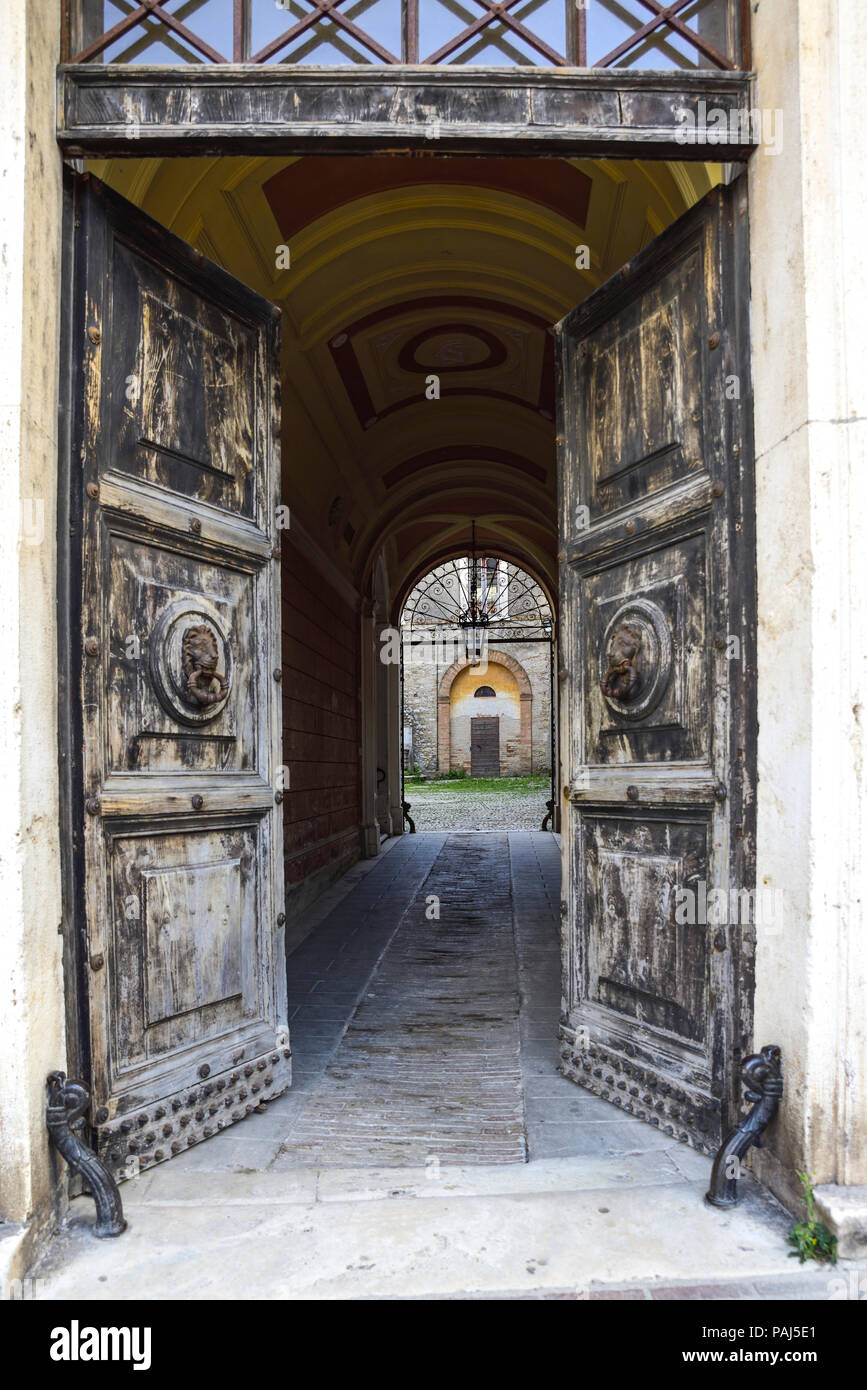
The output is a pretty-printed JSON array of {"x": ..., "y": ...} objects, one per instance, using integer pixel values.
[{"x": 190, "y": 662}]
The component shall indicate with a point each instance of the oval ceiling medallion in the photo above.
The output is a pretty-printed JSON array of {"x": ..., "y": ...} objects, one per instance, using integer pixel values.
[{"x": 452, "y": 347}]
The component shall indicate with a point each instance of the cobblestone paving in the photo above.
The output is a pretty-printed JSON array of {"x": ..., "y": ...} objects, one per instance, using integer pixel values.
[
  {"x": 468, "y": 809},
  {"x": 429, "y": 1068}
]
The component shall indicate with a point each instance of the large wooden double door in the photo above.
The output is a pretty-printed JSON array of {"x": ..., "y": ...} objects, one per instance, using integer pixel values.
[
  {"x": 178, "y": 669},
  {"x": 177, "y": 666},
  {"x": 657, "y": 650}
]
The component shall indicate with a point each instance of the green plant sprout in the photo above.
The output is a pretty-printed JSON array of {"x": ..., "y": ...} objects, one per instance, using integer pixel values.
[{"x": 811, "y": 1238}]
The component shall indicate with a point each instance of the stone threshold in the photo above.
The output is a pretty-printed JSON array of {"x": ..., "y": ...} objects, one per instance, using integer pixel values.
[{"x": 573, "y": 1229}]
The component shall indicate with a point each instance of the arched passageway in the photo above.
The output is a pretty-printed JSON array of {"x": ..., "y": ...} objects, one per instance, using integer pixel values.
[
  {"x": 418, "y": 297},
  {"x": 478, "y": 637}
]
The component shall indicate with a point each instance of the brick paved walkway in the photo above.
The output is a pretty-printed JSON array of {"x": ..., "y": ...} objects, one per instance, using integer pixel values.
[
  {"x": 390, "y": 1014},
  {"x": 429, "y": 1069},
  {"x": 427, "y": 1066}
]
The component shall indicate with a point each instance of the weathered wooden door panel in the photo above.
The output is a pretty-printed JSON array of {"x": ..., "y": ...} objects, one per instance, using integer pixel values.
[
  {"x": 666, "y": 720},
  {"x": 158, "y": 591},
  {"x": 182, "y": 388},
  {"x": 657, "y": 705},
  {"x": 485, "y": 746},
  {"x": 182, "y": 860}
]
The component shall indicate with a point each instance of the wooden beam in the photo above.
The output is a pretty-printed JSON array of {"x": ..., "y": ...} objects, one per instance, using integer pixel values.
[{"x": 112, "y": 111}]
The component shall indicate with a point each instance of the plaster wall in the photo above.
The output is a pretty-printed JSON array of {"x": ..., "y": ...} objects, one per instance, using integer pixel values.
[
  {"x": 505, "y": 705},
  {"x": 31, "y": 986},
  {"x": 809, "y": 300}
]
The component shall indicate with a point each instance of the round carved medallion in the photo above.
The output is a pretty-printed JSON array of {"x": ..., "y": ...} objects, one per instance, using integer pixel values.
[
  {"x": 191, "y": 662},
  {"x": 636, "y": 659}
]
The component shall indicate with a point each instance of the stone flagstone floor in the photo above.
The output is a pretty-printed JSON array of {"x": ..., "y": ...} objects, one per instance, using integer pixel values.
[{"x": 428, "y": 1070}]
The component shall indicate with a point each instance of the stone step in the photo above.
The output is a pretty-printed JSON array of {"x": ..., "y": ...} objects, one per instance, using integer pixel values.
[{"x": 402, "y": 1235}]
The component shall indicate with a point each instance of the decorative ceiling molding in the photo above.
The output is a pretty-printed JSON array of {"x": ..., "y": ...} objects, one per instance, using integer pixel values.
[{"x": 469, "y": 454}]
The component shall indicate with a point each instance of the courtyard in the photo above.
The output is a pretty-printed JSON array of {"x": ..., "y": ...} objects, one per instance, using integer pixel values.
[{"x": 478, "y": 803}]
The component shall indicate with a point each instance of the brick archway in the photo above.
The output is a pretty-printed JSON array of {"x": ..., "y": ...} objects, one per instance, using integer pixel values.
[{"x": 444, "y": 705}]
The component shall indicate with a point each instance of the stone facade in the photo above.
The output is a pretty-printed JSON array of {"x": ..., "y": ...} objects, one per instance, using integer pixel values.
[{"x": 439, "y": 703}]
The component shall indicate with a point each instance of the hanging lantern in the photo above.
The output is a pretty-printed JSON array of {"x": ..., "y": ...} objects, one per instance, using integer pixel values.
[{"x": 474, "y": 619}]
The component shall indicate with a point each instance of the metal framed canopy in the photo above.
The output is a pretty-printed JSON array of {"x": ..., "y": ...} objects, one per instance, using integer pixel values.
[{"x": 482, "y": 592}]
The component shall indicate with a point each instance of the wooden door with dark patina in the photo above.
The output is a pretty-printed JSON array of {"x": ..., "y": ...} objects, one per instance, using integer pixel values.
[
  {"x": 180, "y": 663},
  {"x": 485, "y": 746},
  {"x": 657, "y": 649}
]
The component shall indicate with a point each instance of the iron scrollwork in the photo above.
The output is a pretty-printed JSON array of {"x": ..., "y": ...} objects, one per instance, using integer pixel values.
[
  {"x": 762, "y": 1077},
  {"x": 68, "y": 1102}
]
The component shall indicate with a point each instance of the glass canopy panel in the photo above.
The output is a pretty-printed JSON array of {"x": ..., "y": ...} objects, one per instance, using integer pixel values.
[
  {"x": 613, "y": 28},
  {"x": 640, "y": 34},
  {"x": 361, "y": 32}
]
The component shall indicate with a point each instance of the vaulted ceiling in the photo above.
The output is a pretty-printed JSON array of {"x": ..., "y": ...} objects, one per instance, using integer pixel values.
[{"x": 401, "y": 268}]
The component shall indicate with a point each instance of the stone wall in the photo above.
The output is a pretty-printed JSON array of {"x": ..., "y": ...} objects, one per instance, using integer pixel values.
[
  {"x": 441, "y": 730},
  {"x": 809, "y": 294}
]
